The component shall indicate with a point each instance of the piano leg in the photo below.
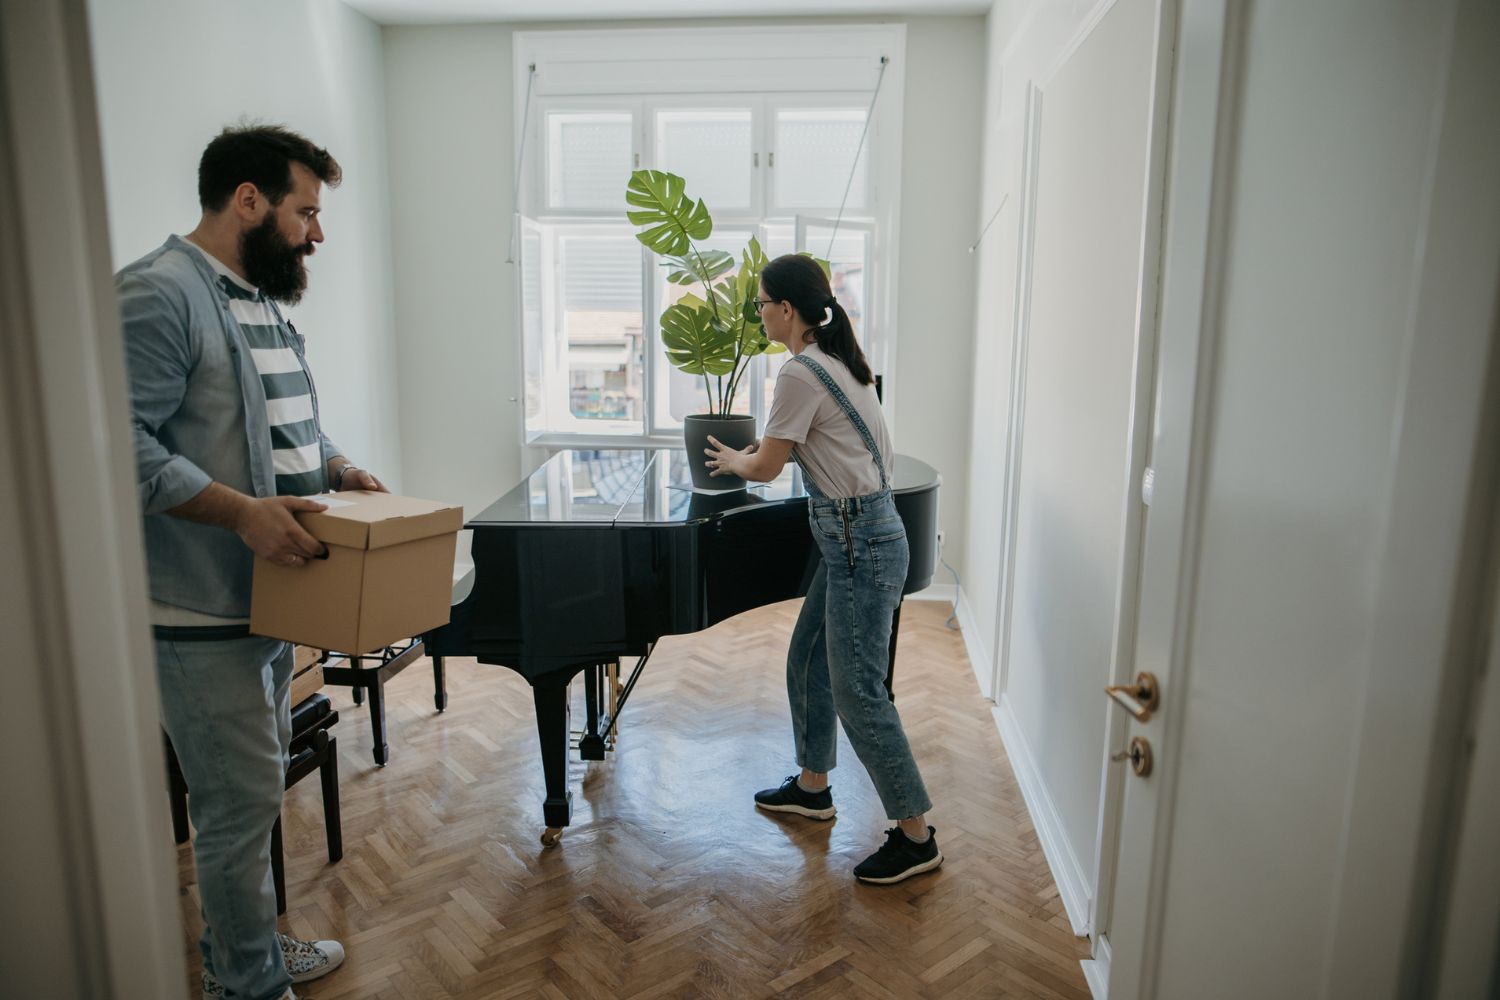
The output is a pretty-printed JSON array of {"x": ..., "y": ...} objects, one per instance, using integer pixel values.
[
  {"x": 552, "y": 725},
  {"x": 377, "y": 722},
  {"x": 278, "y": 867},
  {"x": 890, "y": 670},
  {"x": 591, "y": 746},
  {"x": 440, "y": 687}
]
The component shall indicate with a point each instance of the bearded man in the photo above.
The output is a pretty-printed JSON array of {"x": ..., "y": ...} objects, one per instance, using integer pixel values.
[{"x": 228, "y": 445}]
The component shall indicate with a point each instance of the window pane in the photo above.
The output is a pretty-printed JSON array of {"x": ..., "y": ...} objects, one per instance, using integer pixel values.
[
  {"x": 814, "y": 153},
  {"x": 710, "y": 150},
  {"x": 780, "y": 239},
  {"x": 601, "y": 293},
  {"x": 589, "y": 157},
  {"x": 848, "y": 261}
]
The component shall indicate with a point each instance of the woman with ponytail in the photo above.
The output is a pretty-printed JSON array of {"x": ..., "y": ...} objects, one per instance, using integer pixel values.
[{"x": 825, "y": 416}]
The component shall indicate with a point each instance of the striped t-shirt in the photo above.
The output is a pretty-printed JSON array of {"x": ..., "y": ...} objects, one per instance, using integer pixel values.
[{"x": 296, "y": 451}]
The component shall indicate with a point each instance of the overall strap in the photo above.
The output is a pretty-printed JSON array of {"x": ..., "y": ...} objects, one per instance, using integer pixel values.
[{"x": 848, "y": 407}]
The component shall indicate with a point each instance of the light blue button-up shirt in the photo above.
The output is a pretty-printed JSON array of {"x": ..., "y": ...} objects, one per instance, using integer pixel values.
[{"x": 198, "y": 413}]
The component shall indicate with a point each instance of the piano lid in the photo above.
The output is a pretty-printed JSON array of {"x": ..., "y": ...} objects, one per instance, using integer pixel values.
[{"x": 648, "y": 487}]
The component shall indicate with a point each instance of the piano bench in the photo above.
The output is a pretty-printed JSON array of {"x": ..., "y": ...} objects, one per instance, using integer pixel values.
[
  {"x": 313, "y": 748},
  {"x": 366, "y": 674}
]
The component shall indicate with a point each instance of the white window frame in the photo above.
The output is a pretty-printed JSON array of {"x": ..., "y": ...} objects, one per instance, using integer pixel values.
[
  {"x": 755, "y": 104},
  {"x": 652, "y": 69},
  {"x": 834, "y": 101},
  {"x": 535, "y": 191},
  {"x": 872, "y": 339}
]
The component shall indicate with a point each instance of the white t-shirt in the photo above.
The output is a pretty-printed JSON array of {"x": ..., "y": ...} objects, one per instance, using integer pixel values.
[{"x": 826, "y": 442}]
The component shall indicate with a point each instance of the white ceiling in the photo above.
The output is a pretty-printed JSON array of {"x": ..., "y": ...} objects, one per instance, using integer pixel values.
[{"x": 450, "y": 11}]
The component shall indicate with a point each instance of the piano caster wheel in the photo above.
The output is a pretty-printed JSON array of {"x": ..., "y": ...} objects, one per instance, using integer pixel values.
[{"x": 551, "y": 836}]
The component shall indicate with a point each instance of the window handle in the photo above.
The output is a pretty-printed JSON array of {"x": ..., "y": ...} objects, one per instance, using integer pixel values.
[
  {"x": 771, "y": 158},
  {"x": 755, "y": 159},
  {"x": 637, "y": 161}
]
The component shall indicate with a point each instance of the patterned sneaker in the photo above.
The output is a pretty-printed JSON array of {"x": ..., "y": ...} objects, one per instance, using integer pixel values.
[
  {"x": 899, "y": 858},
  {"x": 214, "y": 990},
  {"x": 793, "y": 798},
  {"x": 309, "y": 960}
]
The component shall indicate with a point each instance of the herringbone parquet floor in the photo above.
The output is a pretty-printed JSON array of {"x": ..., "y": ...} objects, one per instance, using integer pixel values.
[{"x": 669, "y": 883}]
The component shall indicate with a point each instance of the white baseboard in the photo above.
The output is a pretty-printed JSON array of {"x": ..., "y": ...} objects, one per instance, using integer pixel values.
[
  {"x": 1072, "y": 881},
  {"x": 935, "y": 592},
  {"x": 979, "y": 658},
  {"x": 1096, "y": 969}
]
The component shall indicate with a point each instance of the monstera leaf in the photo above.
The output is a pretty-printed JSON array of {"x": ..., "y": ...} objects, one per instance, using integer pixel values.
[
  {"x": 746, "y": 292},
  {"x": 705, "y": 267},
  {"x": 694, "y": 343},
  {"x": 672, "y": 220},
  {"x": 714, "y": 336}
]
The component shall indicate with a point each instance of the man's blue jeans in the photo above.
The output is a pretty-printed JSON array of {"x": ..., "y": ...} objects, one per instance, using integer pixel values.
[
  {"x": 840, "y": 649},
  {"x": 224, "y": 705}
]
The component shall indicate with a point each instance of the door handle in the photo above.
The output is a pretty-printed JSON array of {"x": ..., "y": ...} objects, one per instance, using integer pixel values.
[{"x": 1139, "y": 699}]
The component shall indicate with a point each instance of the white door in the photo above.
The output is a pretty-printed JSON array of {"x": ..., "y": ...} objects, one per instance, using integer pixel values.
[{"x": 1322, "y": 483}]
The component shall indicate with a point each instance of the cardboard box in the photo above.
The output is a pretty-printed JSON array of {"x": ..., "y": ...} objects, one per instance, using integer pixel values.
[{"x": 388, "y": 574}]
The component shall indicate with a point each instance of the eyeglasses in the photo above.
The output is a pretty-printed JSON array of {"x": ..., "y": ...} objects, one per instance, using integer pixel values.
[{"x": 762, "y": 303}]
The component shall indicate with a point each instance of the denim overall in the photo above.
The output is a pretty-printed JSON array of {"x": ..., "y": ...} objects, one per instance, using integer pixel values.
[{"x": 840, "y": 648}]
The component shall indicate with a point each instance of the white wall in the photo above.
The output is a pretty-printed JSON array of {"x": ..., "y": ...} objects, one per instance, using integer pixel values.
[
  {"x": 1023, "y": 40},
  {"x": 940, "y": 153},
  {"x": 171, "y": 73},
  {"x": 452, "y": 159},
  {"x": 452, "y": 165}
]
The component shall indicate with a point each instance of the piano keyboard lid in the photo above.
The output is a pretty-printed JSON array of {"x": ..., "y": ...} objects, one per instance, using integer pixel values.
[{"x": 622, "y": 487}]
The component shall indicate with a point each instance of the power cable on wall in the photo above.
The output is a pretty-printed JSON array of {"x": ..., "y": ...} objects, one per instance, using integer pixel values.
[
  {"x": 993, "y": 216},
  {"x": 952, "y": 620},
  {"x": 515, "y": 194},
  {"x": 869, "y": 114}
]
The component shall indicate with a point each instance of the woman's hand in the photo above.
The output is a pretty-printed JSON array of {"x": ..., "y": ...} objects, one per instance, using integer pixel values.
[
  {"x": 725, "y": 461},
  {"x": 759, "y": 463}
]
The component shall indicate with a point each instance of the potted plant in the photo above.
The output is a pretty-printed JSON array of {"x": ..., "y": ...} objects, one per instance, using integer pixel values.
[{"x": 713, "y": 334}]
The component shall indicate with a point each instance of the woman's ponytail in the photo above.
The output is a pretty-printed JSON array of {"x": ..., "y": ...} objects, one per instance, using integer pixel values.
[{"x": 797, "y": 279}]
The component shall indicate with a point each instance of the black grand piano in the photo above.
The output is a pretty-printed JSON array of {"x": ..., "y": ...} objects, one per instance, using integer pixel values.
[{"x": 598, "y": 554}]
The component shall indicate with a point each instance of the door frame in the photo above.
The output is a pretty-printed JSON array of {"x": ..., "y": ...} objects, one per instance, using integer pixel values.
[{"x": 65, "y": 421}]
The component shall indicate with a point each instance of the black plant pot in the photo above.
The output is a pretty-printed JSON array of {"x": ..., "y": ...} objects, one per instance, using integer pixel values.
[{"x": 736, "y": 431}]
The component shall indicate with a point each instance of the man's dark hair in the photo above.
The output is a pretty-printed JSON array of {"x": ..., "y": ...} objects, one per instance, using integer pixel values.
[{"x": 262, "y": 155}]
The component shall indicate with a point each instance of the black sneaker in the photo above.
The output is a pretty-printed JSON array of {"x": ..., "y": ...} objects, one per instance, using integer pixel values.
[
  {"x": 793, "y": 798},
  {"x": 900, "y": 858}
]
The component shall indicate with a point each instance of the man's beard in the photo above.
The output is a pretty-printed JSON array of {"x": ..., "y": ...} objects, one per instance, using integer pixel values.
[{"x": 272, "y": 264}]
